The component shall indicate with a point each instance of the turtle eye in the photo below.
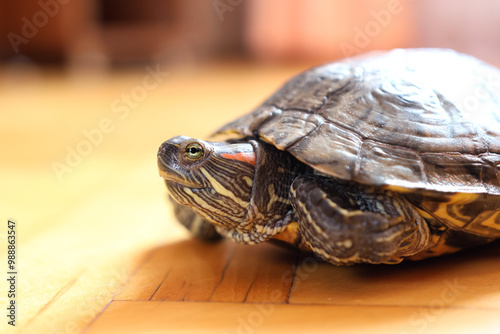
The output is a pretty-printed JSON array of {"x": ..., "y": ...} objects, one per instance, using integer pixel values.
[{"x": 194, "y": 151}]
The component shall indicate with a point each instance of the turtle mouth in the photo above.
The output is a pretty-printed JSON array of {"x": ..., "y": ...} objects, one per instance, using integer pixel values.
[{"x": 171, "y": 176}]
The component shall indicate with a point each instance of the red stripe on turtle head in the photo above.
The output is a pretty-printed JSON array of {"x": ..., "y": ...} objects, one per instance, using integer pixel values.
[{"x": 248, "y": 157}]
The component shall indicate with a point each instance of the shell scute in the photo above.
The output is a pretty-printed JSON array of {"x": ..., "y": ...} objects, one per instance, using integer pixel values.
[{"x": 397, "y": 119}]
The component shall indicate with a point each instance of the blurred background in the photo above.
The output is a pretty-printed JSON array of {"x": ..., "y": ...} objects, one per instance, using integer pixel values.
[{"x": 102, "y": 33}]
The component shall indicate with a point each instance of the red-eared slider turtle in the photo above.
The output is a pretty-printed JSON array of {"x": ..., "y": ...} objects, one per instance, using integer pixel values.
[{"x": 370, "y": 159}]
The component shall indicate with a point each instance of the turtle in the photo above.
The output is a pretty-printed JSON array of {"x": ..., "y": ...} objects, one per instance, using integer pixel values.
[{"x": 376, "y": 158}]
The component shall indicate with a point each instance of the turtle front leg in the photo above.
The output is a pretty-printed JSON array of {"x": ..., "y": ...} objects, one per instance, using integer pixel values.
[
  {"x": 344, "y": 223},
  {"x": 198, "y": 226}
]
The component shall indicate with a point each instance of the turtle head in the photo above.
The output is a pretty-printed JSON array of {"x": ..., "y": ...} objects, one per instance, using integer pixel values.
[
  {"x": 213, "y": 178},
  {"x": 238, "y": 186}
]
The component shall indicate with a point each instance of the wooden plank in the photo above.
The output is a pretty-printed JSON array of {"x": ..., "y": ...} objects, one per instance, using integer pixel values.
[
  {"x": 255, "y": 275},
  {"x": 470, "y": 279},
  {"x": 163, "y": 275},
  {"x": 200, "y": 317},
  {"x": 193, "y": 270},
  {"x": 196, "y": 269},
  {"x": 274, "y": 279}
]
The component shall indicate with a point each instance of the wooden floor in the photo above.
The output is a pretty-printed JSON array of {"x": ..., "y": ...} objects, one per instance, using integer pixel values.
[{"x": 100, "y": 252}]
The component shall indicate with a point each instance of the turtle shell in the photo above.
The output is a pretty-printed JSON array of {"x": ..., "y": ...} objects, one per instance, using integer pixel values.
[{"x": 417, "y": 119}]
